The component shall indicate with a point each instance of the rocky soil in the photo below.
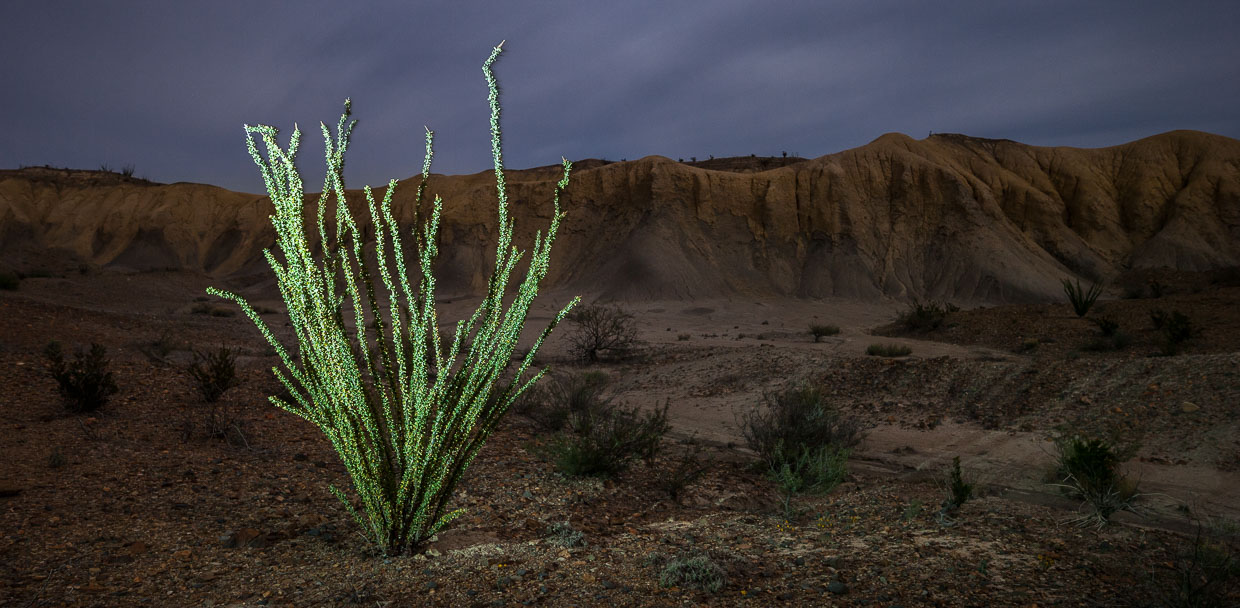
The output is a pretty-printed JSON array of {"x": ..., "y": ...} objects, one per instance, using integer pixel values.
[{"x": 135, "y": 505}]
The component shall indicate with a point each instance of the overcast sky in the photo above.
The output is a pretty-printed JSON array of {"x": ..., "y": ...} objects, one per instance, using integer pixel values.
[{"x": 166, "y": 86}]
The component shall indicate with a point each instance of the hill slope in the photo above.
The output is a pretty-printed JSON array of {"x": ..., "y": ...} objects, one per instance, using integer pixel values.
[{"x": 946, "y": 217}]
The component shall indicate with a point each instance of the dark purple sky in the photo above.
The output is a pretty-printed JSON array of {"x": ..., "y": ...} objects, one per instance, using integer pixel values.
[{"x": 166, "y": 85}]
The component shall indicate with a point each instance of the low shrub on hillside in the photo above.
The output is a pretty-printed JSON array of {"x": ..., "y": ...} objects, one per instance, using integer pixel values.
[
  {"x": 694, "y": 572},
  {"x": 822, "y": 331},
  {"x": 1088, "y": 468},
  {"x": 888, "y": 350},
  {"x": 1174, "y": 329},
  {"x": 925, "y": 317},
  {"x": 1207, "y": 571},
  {"x": 959, "y": 492},
  {"x": 9, "y": 281},
  {"x": 601, "y": 329},
  {"x": 213, "y": 373},
  {"x": 85, "y": 384},
  {"x": 1081, "y": 299}
]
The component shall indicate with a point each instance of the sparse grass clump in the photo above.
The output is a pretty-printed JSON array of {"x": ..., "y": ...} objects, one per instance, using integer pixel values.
[
  {"x": 86, "y": 384},
  {"x": 696, "y": 572},
  {"x": 550, "y": 403},
  {"x": 888, "y": 350},
  {"x": 1088, "y": 468},
  {"x": 601, "y": 329},
  {"x": 822, "y": 331},
  {"x": 1110, "y": 337},
  {"x": 1081, "y": 299},
  {"x": 9, "y": 281},
  {"x": 213, "y": 373}
]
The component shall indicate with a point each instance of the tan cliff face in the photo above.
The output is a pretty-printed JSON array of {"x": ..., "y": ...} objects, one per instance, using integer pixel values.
[{"x": 946, "y": 217}]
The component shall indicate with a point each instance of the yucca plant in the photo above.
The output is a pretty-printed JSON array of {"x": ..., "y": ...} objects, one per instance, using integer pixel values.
[
  {"x": 406, "y": 425},
  {"x": 1081, "y": 299}
]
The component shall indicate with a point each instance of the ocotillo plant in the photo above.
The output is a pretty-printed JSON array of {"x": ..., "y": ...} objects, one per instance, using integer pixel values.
[{"x": 408, "y": 424}]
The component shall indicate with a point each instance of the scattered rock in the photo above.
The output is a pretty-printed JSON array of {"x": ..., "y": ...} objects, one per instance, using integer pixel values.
[
  {"x": 1188, "y": 407},
  {"x": 837, "y": 588}
]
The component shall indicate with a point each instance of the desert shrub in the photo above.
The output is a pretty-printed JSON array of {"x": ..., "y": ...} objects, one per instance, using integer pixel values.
[
  {"x": 213, "y": 373},
  {"x": 9, "y": 281},
  {"x": 888, "y": 350},
  {"x": 563, "y": 534},
  {"x": 601, "y": 328},
  {"x": 1174, "y": 328},
  {"x": 1088, "y": 469},
  {"x": 217, "y": 311},
  {"x": 604, "y": 441},
  {"x": 797, "y": 429},
  {"x": 1029, "y": 344},
  {"x": 687, "y": 470},
  {"x": 86, "y": 384},
  {"x": 404, "y": 439},
  {"x": 1107, "y": 327},
  {"x": 809, "y": 470},
  {"x": 550, "y": 403},
  {"x": 925, "y": 317},
  {"x": 201, "y": 308},
  {"x": 683, "y": 337},
  {"x": 1081, "y": 299},
  {"x": 696, "y": 572},
  {"x": 822, "y": 331},
  {"x": 1207, "y": 571},
  {"x": 1133, "y": 292},
  {"x": 127, "y": 170},
  {"x": 158, "y": 350},
  {"x": 215, "y": 422},
  {"x": 1157, "y": 289},
  {"x": 959, "y": 492}
]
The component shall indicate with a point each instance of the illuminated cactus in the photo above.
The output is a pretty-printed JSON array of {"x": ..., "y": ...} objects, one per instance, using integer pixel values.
[{"x": 406, "y": 417}]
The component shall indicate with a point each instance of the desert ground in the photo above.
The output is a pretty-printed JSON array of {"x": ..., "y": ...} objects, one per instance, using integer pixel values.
[{"x": 133, "y": 505}]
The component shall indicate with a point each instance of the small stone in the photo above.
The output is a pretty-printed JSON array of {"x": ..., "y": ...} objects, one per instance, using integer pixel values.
[
  {"x": 432, "y": 585},
  {"x": 1189, "y": 407},
  {"x": 587, "y": 577},
  {"x": 837, "y": 587},
  {"x": 527, "y": 495},
  {"x": 608, "y": 584},
  {"x": 800, "y": 561}
]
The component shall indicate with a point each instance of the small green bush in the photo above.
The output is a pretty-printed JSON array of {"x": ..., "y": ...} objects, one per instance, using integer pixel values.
[
  {"x": 213, "y": 373},
  {"x": 925, "y": 317},
  {"x": 86, "y": 384},
  {"x": 9, "y": 281},
  {"x": 696, "y": 572},
  {"x": 1081, "y": 299},
  {"x": 811, "y": 470},
  {"x": 822, "y": 331},
  {"x": 888, "y": 350},
  {"x": 793, "y": 420},
  {"x": 1087, "y": 468},
  {"x": 959, "y": 492},
  {"x": 603, "y": 441}
]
